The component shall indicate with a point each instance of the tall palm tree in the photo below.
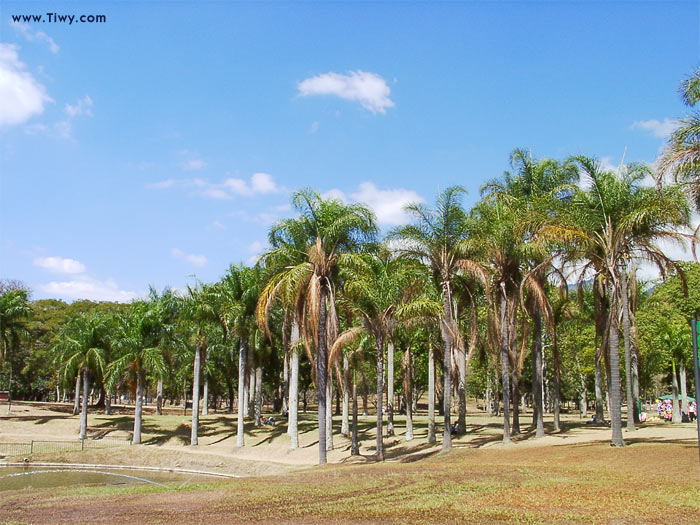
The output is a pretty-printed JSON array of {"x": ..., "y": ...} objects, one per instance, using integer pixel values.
[
  {"x": 237, "y": 295},
  {"x": 325, "y": 228},
  {"x": 14, "y": 312},
  {"x": 541, "y": 186},
  {"x": 612, "y": 222},
  {"x": 437, "y": 237},
  {"x": 137, "y": 342},
  {"x": 81, "y": 347},
  {"x": 382, "y": 290},
  {"x": 682, "y": 154}
]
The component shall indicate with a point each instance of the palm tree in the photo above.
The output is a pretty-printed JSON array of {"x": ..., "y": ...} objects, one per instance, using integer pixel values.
[
  {"x": 437, "y": 237},
  {"x": 82, "y": 345},
  {"x": 237, "y": 295},
  {"x": 382, "y": 290},
  {"x": 617, "y": 220},
  {"x": 137, "y": 342},
  {"x": 682, "y": 154},
  {"x": 14, "y": 312},
  {"x": 325, "y": 229},
  {"x": 541, "y": 186}
]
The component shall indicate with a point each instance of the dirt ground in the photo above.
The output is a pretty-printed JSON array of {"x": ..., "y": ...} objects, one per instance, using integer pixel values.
[{"x": 166, "y": 438}]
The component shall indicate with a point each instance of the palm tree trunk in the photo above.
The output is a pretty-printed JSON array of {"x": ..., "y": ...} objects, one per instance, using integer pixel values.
[
  {"x": 354, "y": 447},
  {"x": 431, "y": 395},
  {"x": 628, "y": 354},
  {"x": 321, "y": 372},
  {"x": 108, "y": 402},
  {"x": 583, "y": 406},
  {"x": 505, "y": 363},
  {"x": 241, "y": 392},
  {"x": 537, "y": 378},
  {"x": 195, "y": 394},
  {"x": 461, "y": 390},
  {"x": 390, "y": 388},
  {"x": 83, "y": 414},
  {"x": 684, "y": 388},
  {"x": 329, "y": 413},
  {"x": 676, "y": 418},
  {"x": 615, "y": 390},
  {"x": 139, "y": 407},
  {"x": 515, "y": 380},
  {"x": 205, "y": 396},
  {"x": 159, "y": 398},
  {"x": 76, "y": 401},
  {"x": 292, "y": 429},
  {"x": 408, "y": 392},
  {"x": 251, "y": 387},
  {"x": 556, "y": 364},
  {"x": 447, "y": 364},
  {"x": 258, "y": 395},
  {"x": 288, "y": 317},
  {"x": 600, "y": 323},
  {"x": 380, "y": 395},
  {"x": 345, "y": 426}
]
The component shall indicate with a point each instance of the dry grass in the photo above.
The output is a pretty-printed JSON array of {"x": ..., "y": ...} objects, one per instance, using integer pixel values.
[{"x": 584, "y": 483}]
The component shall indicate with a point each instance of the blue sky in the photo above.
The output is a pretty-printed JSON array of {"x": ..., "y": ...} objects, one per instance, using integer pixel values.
[{"x": 164, "y": 142}]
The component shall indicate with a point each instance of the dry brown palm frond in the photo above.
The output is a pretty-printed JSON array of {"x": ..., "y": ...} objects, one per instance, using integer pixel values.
[{"x": 346, "y": 338}]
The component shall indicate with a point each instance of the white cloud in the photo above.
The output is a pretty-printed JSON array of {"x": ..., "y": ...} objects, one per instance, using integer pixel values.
[
  {"x": 387, "y": 204},
  {"x": 193, "y": 165},
  {"x": 256, "y": 248},
  {"x": 82, "y": 107},
  {"x": 21, "y": 96},
  {"x": 336, "y": 194},
  {"x": 195, "y": 260},
  {"x": 161, "y": 185},
  {"x": 85, "y": 287},
  {"x": 60, "y": 265},
  {"x": 369, "y": 89},
  {"x": 659, "y": 129},
  {"x": 314, "y": 127},
  {"x": 216, "y": 225},
  {"x": 258, "y": 184},
  {"x": 35, "y": 36}
]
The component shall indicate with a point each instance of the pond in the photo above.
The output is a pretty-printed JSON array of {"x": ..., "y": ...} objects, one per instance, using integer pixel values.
[{"x": 16, "y": 478}]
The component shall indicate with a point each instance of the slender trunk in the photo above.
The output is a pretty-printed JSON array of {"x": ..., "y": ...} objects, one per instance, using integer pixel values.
[
  {"x": 288, "y": 317},
  {"x": 83, "y": 414},
  {"x": 431, "y": 395},
  {"x": 251, "y": 387},
  {"x": 241, "y": 393},
  {"x": 696, "y": 370},
  {"x": 76, "y": 401},
  {"x": 195, "y": 394},
  {"x": 321, "y": 372},
  {"x": 635, "y": 383},
  {"x": 159, "y": 398},
  {"x": 408, "y": 393},
  {"x": 108, "y": 402},
  {"x": 515, "y": 379},
  {"x": 292, "y": 429},
  {"x": 390, "y": 388},
  {"x": 258, "y": 396},
  {"x": 447, "y": 364},
  {"x": 380, "y": 395},
  {"x": 138, "y": 411},
  {"x": 583, "y": 407},
  {"x": 461, "y": 356},
  {"x": 229, "y": 386},
  {"x": 536, "y": 351},
  {"x": 628, "y": 354},
  {"x": 600, "y": 322},
  {"x": 354, "y": 447},
  {"x": 676, "y": 418},
  {"x": 615, "y": 391},
  {"x": 505, "y": 363},
  {"x": 345, "y": 426},
  {"x": 205, "y": 396},
  {"x": 329, "y": 412},
  {"x": 556, "y": 363},
  {"x": 684, "y": 389}
]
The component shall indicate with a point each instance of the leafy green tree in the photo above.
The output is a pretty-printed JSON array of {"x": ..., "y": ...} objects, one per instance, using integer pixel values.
[
  {"x": 81, "y": 346},
  {"x": 14, "y": 313}
]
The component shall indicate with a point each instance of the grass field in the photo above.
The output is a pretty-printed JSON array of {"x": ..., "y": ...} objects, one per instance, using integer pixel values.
[{"x": 571, "y": 476}]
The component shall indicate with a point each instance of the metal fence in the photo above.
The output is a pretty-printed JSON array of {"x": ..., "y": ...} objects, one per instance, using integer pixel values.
[{"x": 41, "y": 446}]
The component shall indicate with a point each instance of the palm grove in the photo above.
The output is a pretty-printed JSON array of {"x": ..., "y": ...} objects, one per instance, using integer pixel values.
[{"x": 529, "y": 297}]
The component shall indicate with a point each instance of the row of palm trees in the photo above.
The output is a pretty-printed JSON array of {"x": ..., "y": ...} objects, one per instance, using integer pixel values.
[{"x": 327, "y": 286}]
